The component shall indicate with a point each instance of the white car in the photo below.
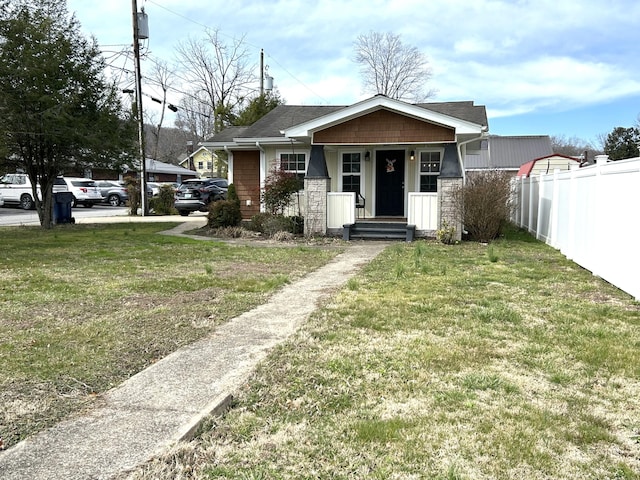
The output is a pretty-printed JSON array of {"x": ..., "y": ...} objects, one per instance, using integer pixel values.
[
  {"x": 1, "y": 200},
  {"x": 85, "y": 191},
  {"x": 155, "y": 188}
]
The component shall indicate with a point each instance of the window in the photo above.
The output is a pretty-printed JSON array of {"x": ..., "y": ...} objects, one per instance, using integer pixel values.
[
  {"x": 429, "y": 171},
  {"x": 294, "y": 163},
  {"x": 351, "y": 172},
  {"x": 209, "y": 165},
  {"x": 200, "y": 165}
]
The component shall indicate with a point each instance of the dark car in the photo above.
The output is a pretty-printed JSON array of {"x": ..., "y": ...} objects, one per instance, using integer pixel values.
[{"x": 196, "y": 195}]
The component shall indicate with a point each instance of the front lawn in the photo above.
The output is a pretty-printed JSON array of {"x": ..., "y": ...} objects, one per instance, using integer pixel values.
[
  {"x": 84, "y": 307},
  {"x": 442, "y": 362}
]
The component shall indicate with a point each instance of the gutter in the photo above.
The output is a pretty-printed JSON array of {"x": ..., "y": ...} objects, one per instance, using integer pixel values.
[{"x": 483, "y": 134}]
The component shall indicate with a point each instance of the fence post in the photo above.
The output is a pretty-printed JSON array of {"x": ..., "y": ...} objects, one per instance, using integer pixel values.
[{"x": 555, "y": 208}]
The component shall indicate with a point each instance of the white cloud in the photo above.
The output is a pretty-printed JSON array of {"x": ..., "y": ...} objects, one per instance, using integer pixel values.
[{"x": 513, "y": 56}]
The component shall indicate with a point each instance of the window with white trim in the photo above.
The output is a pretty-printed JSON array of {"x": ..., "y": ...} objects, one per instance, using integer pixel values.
[
  {"x": 295, "y": 163},
  {"x": 351, "y": 172},
  {"x": 429, "y": 170}
]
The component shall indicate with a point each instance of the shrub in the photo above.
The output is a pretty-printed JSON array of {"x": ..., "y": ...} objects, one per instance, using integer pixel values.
[
  {"x": 224, "y": 213},
  {"x": 279, "y": 186},
  {"x": 484, "y": 203},
  {"x": 133, "y": 190},
  {"x": 446, "y": 234},
  {"x": 163, "y": 203},
  {"x": 270, "y": 224},
  {"x": 232, "y": 195}
]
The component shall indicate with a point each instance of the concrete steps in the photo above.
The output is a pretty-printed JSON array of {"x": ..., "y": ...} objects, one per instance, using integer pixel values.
[{"x": 378, "y": 230}]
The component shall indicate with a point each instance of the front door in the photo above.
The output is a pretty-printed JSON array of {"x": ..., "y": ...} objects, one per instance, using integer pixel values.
[{"x": 390, "y": 183}]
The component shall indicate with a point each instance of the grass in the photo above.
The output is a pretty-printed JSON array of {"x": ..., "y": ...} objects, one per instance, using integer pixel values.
[
  {"x": 84, "y": 307},
  {"x": 443, "y": 362}
]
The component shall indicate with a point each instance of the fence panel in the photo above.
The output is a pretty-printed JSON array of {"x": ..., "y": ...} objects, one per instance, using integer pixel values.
[{"x": 590, "y": 215}]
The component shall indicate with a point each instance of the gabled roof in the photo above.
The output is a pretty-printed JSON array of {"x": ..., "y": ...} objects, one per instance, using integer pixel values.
[
  {"x": 194, "y": 154},
  {"x": 508, "y": 152},
  {"x": 420, "y": 112},
  {"x": 297, "y": 121}
]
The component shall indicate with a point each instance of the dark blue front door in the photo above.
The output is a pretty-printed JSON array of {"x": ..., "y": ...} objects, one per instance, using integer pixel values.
[{"x": 390, "y": 183}]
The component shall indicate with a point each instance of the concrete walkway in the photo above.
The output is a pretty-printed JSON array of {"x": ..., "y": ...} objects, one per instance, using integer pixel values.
[{"x": 166, "y": 402}]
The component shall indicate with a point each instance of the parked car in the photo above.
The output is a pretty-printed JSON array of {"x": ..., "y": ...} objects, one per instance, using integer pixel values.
[
  {"x": 84, "y": 190},
  {"x": 155, "y": 188},
  {"x": 113, "y": 193},
  {"x": 17, "y": 190},
  {"x": 1, "y": 200},
  {"x": 196, "y": 194}
]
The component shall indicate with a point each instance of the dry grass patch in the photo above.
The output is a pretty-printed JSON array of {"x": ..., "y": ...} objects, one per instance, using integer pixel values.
[{"x": 85, "y": 307}]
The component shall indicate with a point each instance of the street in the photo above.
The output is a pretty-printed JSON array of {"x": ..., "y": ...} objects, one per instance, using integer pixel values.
[{"x": 16, "y": 216}]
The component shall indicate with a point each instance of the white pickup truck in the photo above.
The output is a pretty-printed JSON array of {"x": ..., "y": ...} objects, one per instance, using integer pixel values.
[{"x": 15, "y": 188}]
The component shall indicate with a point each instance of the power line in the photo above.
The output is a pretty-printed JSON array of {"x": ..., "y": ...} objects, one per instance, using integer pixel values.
[{"x": 244, "y": 42}]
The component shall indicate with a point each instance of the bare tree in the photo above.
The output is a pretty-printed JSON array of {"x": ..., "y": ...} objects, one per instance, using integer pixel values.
[
  {"x": 196, "y": 116},
  {"x": 163, "y": 77},
  {"x": 574, "y": 147},
  {"x": 218, "y": 70},
  {"x": 389, "y": 67}
]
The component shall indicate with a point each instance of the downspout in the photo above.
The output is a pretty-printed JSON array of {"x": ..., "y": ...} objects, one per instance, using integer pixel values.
[
  {"x": 229, "y": 163},
  {"x": 263, "y": 171},
  {"x": 482, "y": 135}
]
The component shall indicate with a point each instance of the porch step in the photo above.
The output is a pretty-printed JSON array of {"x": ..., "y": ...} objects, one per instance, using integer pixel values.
[{"x": 378, "y": 231}]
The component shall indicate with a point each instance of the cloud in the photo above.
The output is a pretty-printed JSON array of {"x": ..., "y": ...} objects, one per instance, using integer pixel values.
[
  {"x": 515, "y": 56},
  {"x": 558, "y": 83}
]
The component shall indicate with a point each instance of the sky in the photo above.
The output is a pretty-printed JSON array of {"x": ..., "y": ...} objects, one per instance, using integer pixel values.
[{"x": 567, "y": 68}]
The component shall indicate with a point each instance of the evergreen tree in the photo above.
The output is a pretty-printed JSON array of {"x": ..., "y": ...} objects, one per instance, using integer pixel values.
[
  {"x": 622, "y": 143},
  {"x": 58, "y": 111}
]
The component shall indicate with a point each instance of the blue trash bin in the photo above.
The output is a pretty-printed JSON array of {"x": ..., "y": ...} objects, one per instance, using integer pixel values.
[{"x": 62, "y": 202}]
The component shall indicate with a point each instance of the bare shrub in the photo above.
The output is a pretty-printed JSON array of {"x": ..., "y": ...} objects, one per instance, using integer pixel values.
[{"x": 484, "y": 203}]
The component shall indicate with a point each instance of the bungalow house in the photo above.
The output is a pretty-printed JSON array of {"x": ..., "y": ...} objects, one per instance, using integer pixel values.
[
  {"x": 205, "y": 162},
  {"x": 378, "y": 159},
  {"x": 548, "y": 164}
]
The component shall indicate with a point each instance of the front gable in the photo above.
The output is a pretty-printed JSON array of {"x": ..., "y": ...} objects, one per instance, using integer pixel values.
[
  {"x": 383, "y": 126},
  {"x": 373, "y": 111}
]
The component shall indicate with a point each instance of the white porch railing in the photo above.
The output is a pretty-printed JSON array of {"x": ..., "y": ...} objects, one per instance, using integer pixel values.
[
  {"x": 423, "y": 211},
  {"x": 341, "y": 209}
]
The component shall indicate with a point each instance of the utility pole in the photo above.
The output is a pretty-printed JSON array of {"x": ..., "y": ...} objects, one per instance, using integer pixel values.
[
  {"x": 261, "y": 72},
  {"x": 138, "y": 75}
]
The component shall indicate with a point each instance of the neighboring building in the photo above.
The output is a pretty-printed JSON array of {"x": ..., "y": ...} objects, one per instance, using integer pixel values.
[
  {"x": 166, "y": 172},
  {"x": 548, "y": 164},
  {"x": 156, "y": 172},
  {"x": 507, "y": 153},
  {"x": 403, "y": 159},
  {"x": 206, "y": 163}
]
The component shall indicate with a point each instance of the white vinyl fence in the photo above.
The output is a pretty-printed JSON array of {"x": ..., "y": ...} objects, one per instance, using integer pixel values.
[{"x": 591, "y": 214}]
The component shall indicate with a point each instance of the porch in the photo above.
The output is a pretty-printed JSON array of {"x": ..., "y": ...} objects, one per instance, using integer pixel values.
[{"x": 343, "y": 218}]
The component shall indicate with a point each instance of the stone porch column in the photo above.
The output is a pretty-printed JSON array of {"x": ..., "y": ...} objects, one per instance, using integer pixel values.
[
  {"x": 316, "y": 186},
  {"x": 447, "y": 208},
  {"x": 315, "y": 192}
]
